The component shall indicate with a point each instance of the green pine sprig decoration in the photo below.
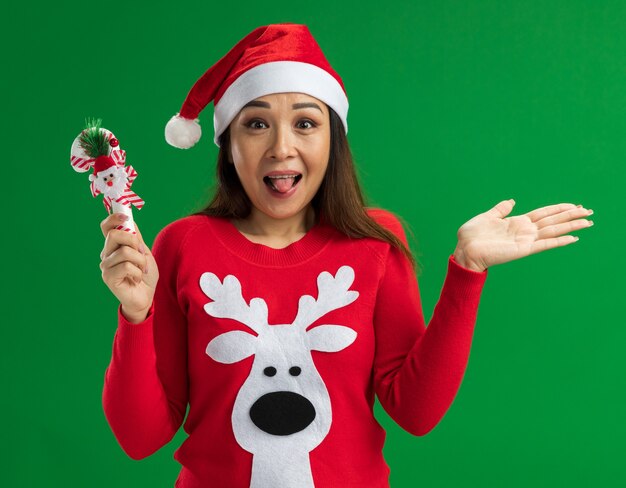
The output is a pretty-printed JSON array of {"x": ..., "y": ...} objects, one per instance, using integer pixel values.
[{"x": 92, "y": 140}]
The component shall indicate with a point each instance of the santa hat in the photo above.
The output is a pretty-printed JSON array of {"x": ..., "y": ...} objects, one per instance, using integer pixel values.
[
  {"x": 102, "y": 164},
  {"x": 274, "y": 58}
]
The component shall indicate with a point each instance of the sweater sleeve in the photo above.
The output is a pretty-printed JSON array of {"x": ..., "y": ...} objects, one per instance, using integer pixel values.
[
  {"x": 145, "y": 385},
  {"x": 417, "y": 369}
]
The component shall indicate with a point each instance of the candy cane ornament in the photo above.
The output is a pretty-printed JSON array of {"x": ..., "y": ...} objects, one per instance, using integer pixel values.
[{"x": 97, "y": 148}]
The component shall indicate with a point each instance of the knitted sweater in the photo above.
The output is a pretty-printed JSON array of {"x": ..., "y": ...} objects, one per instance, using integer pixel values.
[{"x": 278, "y": 354}]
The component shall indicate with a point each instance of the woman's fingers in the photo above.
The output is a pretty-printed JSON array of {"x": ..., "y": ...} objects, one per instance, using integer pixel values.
[
  {"x": 543, "y": 212},
  {"x": 125, "y": 260},
  {"x": 114, "y": 237},
  {"x": 112, "y": 221},
  {"x": 117, "y": 238},
  {"x": 566, "y": 216},
  {"x": 545, "y": 244},
  {"x": 564, "y": 228},
  {"x": 112, "y": 276},
  {"x": 124, "y": 253},
  {"x": 142, "y": 245}
]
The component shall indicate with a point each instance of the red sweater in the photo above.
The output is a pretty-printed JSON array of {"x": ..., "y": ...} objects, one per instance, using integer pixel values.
[{"x": 280, "y": 361}]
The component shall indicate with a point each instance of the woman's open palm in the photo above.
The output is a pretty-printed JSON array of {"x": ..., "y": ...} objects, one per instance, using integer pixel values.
[{"x": 493, "y": 238}]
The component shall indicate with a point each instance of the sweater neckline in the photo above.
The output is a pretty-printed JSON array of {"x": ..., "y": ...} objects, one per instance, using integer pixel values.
[{"x": 298, "y": 251}]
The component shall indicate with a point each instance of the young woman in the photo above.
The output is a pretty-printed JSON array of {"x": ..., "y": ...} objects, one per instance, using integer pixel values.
[{"x": 277, "y": 313}]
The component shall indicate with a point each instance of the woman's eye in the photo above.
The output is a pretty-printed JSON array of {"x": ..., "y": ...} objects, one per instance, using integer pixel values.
[
  {"x": 259, "y": 124},
  {"x": 253, "y": 124},
  {"x": 310, "y": 122}
]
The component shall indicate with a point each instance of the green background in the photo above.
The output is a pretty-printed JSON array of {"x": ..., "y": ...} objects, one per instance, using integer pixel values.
[{"x": 454, "y": 106}]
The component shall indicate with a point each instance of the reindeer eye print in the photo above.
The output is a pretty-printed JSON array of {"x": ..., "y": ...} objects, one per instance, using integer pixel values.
[
  {"x": 269, "y": 371},
  {"x": 295, "y": 371}
]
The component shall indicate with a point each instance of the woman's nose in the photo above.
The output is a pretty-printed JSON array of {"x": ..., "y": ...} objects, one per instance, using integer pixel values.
[{"x": 283, "y": 143}]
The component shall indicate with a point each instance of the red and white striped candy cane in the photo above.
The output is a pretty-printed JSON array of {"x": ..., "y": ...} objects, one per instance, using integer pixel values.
[{"x": 81, "y": 162}]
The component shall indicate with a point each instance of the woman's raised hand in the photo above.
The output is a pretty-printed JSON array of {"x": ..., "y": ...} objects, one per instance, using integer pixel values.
[
  {"x": 490, "y": 238},
  {"x": 128, "y": 268}
]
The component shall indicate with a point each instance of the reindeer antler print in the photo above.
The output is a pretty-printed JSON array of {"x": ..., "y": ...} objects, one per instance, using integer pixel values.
[
  {"x": 333, "y": 293},
  {"x": 228, "y": 302}
]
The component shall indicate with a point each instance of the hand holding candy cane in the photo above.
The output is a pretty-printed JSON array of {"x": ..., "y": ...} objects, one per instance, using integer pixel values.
[
  {"x": 128, "y": 268},
  {"x": 97, "y": 148}
]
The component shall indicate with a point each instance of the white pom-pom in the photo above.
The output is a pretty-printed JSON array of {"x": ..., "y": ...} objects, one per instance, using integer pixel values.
[{"x": 182, "y": 133}]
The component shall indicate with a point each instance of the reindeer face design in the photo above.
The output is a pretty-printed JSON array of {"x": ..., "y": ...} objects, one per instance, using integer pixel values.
[{"x": 283, "y": 408}]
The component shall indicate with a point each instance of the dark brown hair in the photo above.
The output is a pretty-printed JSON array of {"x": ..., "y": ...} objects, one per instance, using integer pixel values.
[{"x": 339, "y": 198}]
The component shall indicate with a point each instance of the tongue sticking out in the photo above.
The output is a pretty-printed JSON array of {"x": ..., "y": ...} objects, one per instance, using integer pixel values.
[{"x": 283, "y": 185}]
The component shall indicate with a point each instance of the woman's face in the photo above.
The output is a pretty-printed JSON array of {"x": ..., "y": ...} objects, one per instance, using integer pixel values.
[{"x": 280, "y": 145}]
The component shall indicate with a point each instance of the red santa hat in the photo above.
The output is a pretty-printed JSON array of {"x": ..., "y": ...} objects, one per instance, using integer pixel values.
[
  {"x": 102, "y": 164},
  {"x": 274, "y": 58}
]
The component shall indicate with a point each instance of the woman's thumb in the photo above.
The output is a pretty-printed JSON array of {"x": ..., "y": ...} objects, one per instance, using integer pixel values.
[{"x": 502, "y": 209}]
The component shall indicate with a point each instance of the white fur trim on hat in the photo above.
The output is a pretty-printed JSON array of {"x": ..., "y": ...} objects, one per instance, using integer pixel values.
[
  {"x": 279, "y": 77},
  {"x": 182, "y": 133}
]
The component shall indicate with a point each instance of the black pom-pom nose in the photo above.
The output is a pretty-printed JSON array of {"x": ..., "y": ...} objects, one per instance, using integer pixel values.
[{"x": 282, "y": 413}]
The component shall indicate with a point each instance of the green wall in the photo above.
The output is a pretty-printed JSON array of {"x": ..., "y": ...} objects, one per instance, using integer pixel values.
[{"x": 455, "y": 106}]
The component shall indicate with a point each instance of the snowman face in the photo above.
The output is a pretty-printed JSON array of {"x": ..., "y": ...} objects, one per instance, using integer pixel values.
[{"x": 111, "y": 181}]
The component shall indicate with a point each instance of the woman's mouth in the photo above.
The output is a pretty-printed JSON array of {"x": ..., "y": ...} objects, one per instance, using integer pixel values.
[{"x": 282, "y": 183}]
